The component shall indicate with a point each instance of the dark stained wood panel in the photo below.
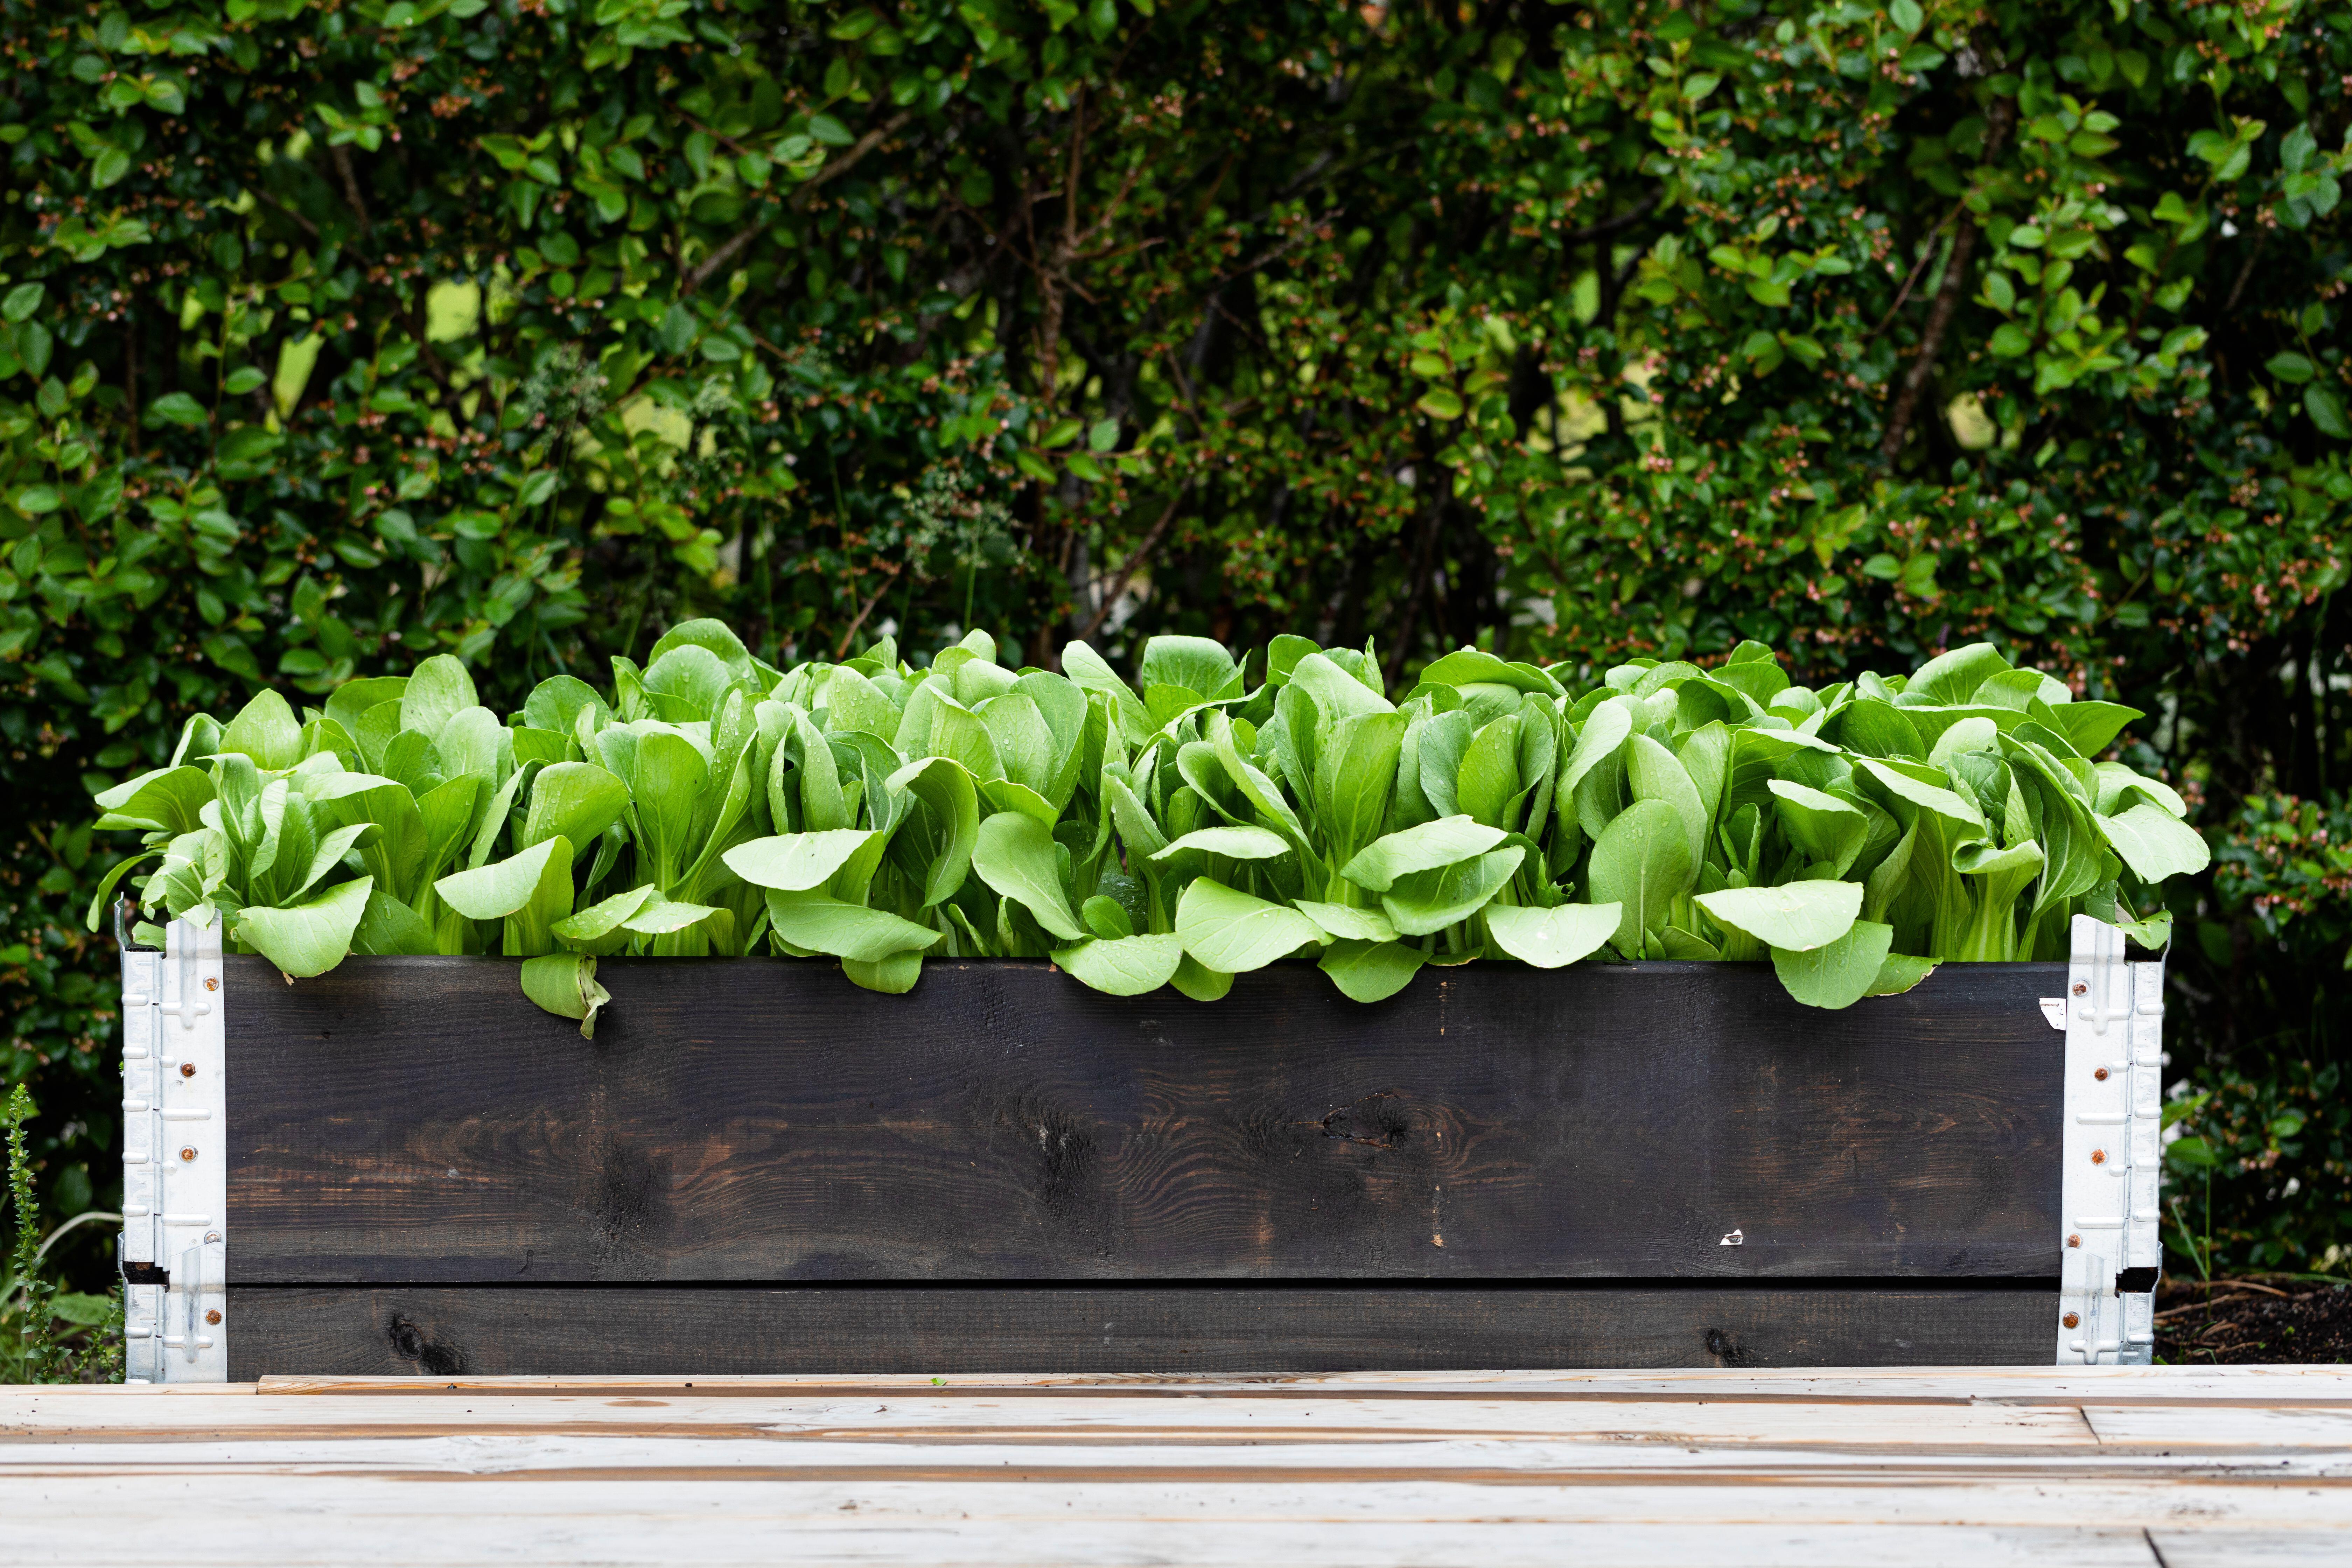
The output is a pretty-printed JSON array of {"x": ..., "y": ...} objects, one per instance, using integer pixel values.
[
  {"x": 418, "y": 1120},
  {"x": 573, "y": 1330}
]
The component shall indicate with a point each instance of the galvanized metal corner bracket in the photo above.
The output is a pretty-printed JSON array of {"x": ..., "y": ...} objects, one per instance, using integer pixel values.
[
  {"x": 2110, "y": 1255},
  {"x": 175, "y": 1249}
]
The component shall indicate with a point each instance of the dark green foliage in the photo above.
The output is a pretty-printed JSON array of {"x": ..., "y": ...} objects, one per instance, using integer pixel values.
[
  {"x": 337, "y": 336},
  {"x": 36, "y": 1356},
  {"x": 36, "y": 1319},
  {"x": 2270, "y": 1130}
]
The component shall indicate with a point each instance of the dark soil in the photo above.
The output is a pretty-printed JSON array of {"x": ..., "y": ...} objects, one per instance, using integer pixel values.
[{"x": 2273, "y": 1318}]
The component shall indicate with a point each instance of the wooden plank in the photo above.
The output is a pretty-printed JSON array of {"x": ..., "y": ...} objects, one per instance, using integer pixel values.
[
  {"x": 418, "y": 1120},
  {"x": 835, "y": 1428},
  {"x": 843, "y": 1329},
  {"x": 2237, "y": 1429},
  {"x": 388, "y": 1522},
  {"x": 1953, "y": 1470},
  {"x": 2322, "y": 1548}
]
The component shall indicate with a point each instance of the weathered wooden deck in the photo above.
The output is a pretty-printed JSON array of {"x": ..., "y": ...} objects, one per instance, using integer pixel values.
[{"x": 2157, "y": 1468}]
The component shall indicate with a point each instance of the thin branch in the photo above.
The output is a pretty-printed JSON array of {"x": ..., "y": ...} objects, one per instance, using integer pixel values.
[
  {"x": 343, "y": 154},
  {"x": 267, "y": 200},
  {"x": 1070, "y": 181},
  {"x": 980, "y": 221},
  {"x": 1054, "y": 277},
  {"x": 700, "y": 273},
  {"x": 889, "y": 576},
  {"x": 1947, "y": 305},
  {"x": 1610, "y": 226},
  {"x": 1110, "y": 211},
  {"x": 1903, "y": 295},
  {"x": 721, "y": 137},
  {"x": 1931, "y": 343},
  {"x": 1135, "y": 559},
  {"x": 2246, "y": 271},
  {"x": 1307, "y": 231}
]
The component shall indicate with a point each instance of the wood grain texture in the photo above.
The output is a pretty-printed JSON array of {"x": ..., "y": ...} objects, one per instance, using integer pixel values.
[
  {"x": 492, "y": 1331},
  {"x": 1784, "y": 1469},
  {"x": 418, "y": 1121}
]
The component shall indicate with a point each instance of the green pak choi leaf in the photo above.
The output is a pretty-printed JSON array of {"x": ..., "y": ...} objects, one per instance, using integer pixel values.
[
  {"x": 1014, "y": 855},
  {"x": 1371, "y": 971},
  {"x": 1123, "y": 966},
  {"x": 308, "y": 939},
  {"x": 1553, "y": 938},
  {"x": 564, "y": 984},
  {"x": 1232, "y": 932},
  {"x": 1797, "y": 918},
  {"x": 1837, "y": 973}
]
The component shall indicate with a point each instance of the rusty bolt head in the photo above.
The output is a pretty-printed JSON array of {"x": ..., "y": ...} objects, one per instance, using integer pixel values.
[
  {"x": 211, "y": 984},
  {"x": 214, "y": 1316},
  {"x": 2074, "y": 1241},
  {"x": 2101, "y": 1075},
  {"x": 2072, "y": 1320},
  {"x": 2079, "y": 988},
  {"x": 2098, "y": 1156},
  {"x": 188, "y": 1154},
  {"x": 187, "y": 1070}
]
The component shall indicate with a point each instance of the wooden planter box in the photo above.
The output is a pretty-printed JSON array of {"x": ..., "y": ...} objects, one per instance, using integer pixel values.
[{"x": 404, "y": 1166}]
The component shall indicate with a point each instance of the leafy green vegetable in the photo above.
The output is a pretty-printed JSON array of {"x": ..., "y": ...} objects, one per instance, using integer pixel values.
[
  {"x": 1124, "y": 966},
  {"x": 1234, "y": 932},
  {"x": 1199, "y": 827},
  {"x": 565, "y": 985},
  {"x": 1797, "y": 918}
]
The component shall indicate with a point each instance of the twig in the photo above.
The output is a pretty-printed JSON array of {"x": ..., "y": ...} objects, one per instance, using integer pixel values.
[
  {"x": 306, "y": 224},
  {"x": 700, "y": 274},
  {"x": 2246, "y": 271},
  {"x": 1135, "y": 559},
  {"x": 1903, "y": 295},
  {"x": 890, "y": 575},
  {"x": 721, "y": 137},
  {"x": 1053, "y": 279},
  {"x": 1307, "y": 231},
  {"x": 1610, "y": 226},
  {"x": 1931, "y": 343},
  {"x": 343, "y": 154},
  {"x": 1947, "y": 305}
]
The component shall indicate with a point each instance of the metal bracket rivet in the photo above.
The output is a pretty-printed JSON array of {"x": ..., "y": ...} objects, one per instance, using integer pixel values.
[
  {"x": 2098, "y": 1156},
  {"x": 188, "y": 1154},
  {"x": 187, "y": 1070},
  {"x": 2073, "y": 1319}
]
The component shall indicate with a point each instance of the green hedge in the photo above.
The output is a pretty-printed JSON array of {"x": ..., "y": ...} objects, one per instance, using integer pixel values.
[{"x": 341, "y": 334}]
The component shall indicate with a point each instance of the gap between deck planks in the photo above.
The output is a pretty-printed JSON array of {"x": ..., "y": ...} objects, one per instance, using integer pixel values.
[{"x": 2210, "y": 1468}]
